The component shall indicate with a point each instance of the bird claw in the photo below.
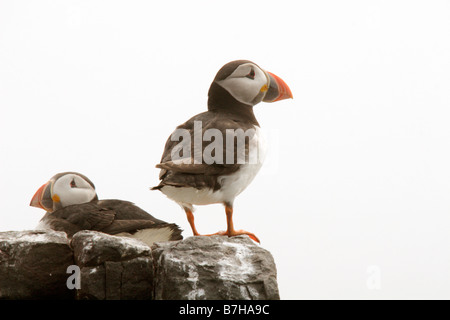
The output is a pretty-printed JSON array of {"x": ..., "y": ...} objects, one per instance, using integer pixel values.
[{"x": 234, "y": 233}]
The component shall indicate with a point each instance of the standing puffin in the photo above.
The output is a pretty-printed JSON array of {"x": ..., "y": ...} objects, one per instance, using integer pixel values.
[
  {"x": 72, "y": 205},
  {"x": 192, "y": 179}
]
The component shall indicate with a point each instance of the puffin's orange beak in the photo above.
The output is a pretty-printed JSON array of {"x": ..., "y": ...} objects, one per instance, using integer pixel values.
[
  {"x": 38, "y": 199},
  {"x": 278, "y": 89}
]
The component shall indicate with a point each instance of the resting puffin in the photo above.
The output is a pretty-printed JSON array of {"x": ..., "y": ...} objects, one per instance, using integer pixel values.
[
  {"x": 72, "y": 205},
  {"x": 191, "y": 179}
]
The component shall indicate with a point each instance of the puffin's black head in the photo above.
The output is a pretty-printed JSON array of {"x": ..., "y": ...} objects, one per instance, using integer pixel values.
[
  {"x": 62, "y": 190},
  {"x": 244, "y": 82}
]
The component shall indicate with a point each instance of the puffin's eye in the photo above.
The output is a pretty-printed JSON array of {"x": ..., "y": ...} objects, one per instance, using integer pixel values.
[
  {"x": 251, "y": 75},
  {"x": 73, "y": 184}
]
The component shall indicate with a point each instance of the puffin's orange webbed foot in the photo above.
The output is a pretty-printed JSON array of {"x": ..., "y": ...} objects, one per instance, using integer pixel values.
[{"x": 234, "y": 233}]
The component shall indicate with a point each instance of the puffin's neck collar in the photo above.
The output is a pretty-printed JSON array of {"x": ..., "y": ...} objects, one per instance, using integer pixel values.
[{"x": 220, "y": 100}]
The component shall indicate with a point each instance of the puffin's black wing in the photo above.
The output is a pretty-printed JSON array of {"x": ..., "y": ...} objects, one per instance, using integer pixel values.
[
  {"x": 130, "y": 218},
  {"x": 133, "y": 226},
  {"x": 185, "y": 172},
  {"x": 86, "y": 216},
  {"x": 109, "y": 216}
]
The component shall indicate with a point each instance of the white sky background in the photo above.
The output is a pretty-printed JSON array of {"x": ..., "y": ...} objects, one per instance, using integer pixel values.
[{"x": 353, "y": 200}]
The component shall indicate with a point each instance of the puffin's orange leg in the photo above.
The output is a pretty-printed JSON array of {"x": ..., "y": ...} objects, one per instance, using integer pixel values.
[
  {"x": 190, "y": 217},
  {"x": 230, "y": 227}
]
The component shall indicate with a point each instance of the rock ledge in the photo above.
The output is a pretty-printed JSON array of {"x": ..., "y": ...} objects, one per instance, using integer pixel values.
[{"x": 34, "y": 265}]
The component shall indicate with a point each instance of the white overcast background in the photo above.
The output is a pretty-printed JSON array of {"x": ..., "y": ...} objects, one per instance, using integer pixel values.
[{"x": 354, "y": 198}]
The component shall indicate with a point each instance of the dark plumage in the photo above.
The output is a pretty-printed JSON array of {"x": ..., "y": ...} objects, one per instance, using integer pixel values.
[
  {"x": 202, "y": 175},
  {"x": 108, "y": 216}
]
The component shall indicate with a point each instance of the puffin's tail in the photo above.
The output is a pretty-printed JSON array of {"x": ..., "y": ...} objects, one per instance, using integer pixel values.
[{"x": 158, "y": 187}]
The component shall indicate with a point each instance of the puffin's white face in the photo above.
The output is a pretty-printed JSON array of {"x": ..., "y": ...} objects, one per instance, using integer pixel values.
[
  {"x": 247, "y": 84},
  {"x": 72, "y": 189}
]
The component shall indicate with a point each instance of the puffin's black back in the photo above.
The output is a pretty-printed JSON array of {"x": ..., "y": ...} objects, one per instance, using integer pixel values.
[
  {"x": 126, "y": 210},
  {"x": 203, "y": 175}
]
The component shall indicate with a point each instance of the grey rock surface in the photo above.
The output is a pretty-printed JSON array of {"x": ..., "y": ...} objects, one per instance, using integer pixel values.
[
  {"x": 214, "y": 267},
  {"x": 92, "y": 248},
  {"x": 33, "y": 265},
  {"x": 112, "y": 268}
]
